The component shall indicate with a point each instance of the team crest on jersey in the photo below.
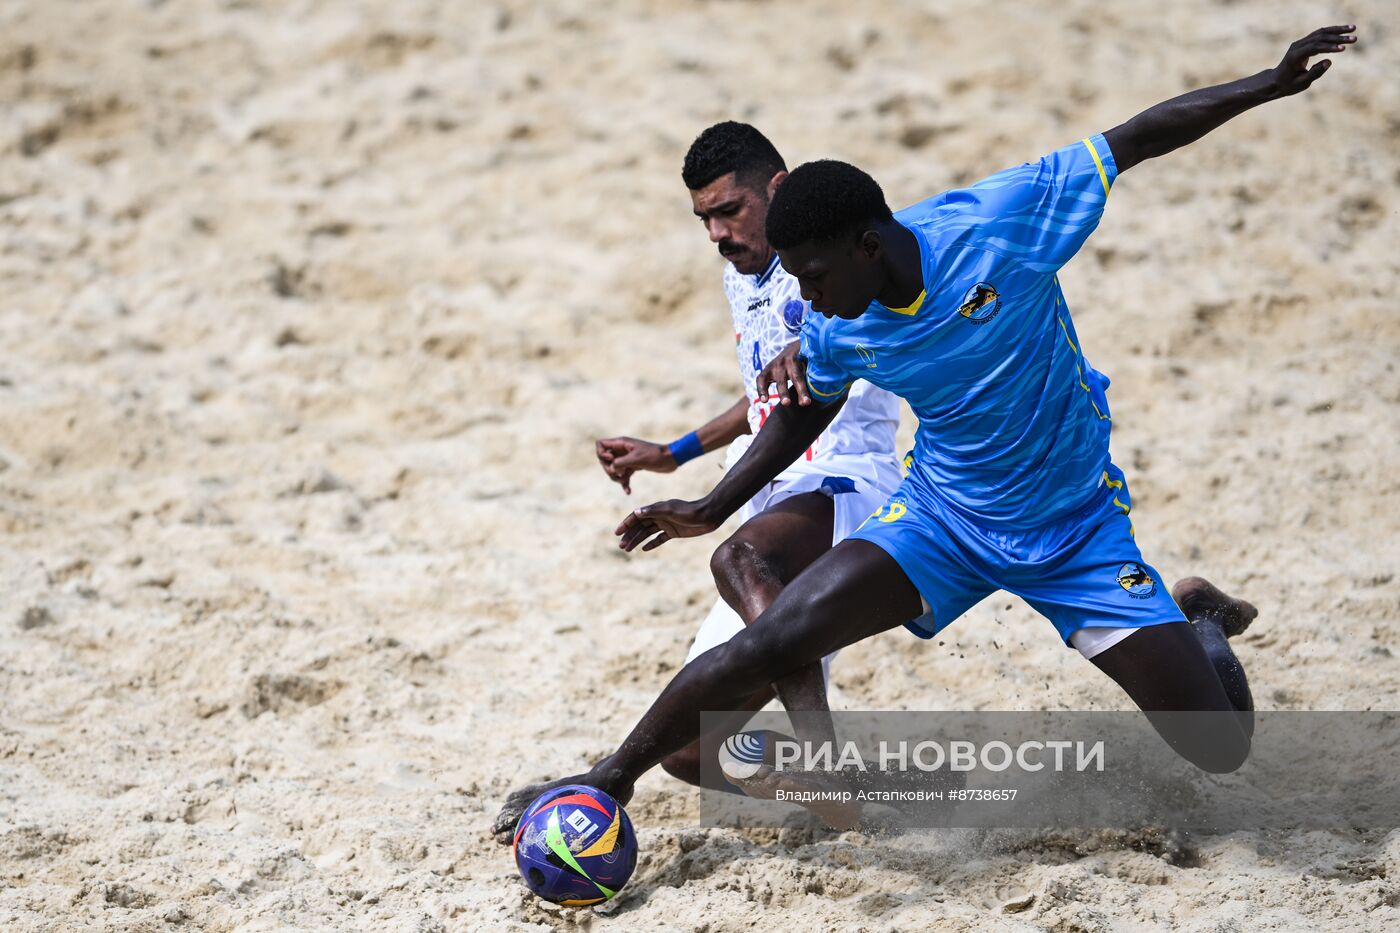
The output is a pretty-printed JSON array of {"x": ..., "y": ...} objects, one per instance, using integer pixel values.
[
  {"x": 793, "y": 313},
  {"x": 981, "y": 303},
  {"x": 1136, "y": 581},
  {"x": 867, "y": 355}
]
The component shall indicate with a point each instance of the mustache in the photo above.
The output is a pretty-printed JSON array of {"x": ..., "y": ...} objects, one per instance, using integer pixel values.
[{"x": 729, "y": 246}]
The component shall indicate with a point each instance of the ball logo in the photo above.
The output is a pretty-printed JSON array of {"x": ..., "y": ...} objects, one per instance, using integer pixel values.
[
  {"x": 793, "y": 313},
  {"x": 580, "y": 822},
  {"x": 981, "y": 303},
  {"x": 1136, "y": 581},
  {"x": 741, "y": 755}
]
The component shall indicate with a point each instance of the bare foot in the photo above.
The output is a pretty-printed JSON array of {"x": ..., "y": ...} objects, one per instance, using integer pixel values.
[
  {"x": 1202, "y": 600},
  {"x": 504, "y": 826},
  {"x": 748, "y": 761},
  {"x": 827, "y": 796}
]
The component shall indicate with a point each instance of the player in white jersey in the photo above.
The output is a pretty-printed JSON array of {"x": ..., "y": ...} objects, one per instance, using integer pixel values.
[{"x": 732, "y": 170}]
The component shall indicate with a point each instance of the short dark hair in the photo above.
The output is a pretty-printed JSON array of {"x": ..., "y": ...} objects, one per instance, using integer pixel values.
[
  {"x": 824, "y": 201},
  {"x": 731, "y": 147}
]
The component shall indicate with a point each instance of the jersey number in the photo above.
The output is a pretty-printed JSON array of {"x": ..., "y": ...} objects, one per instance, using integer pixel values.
[
  {"x": 896, "y": 512},
  {"x": 757, "y": 362}
]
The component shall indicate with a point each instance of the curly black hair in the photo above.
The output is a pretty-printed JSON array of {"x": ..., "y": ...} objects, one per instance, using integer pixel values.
[
  {"x": 824, "y": 201},
  {"x": 731, "y": 147}
]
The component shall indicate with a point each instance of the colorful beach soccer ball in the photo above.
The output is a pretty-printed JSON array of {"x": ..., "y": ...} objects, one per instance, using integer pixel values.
[{"x": 575, "y": 846}]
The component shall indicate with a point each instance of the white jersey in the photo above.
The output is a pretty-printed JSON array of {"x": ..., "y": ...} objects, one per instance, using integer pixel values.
[
  {"x": 768, "y": 311},
  {"x": 852, "y": 462}
]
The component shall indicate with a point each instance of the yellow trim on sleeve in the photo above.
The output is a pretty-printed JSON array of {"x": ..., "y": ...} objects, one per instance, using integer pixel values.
[
  {"x": 913, "y": 308},
  {"x": 831, "y": 394},
  {"x": 1098, "y": 164}
]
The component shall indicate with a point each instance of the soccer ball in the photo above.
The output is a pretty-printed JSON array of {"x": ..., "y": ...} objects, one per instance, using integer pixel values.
[{"x": 575, "y": 846}]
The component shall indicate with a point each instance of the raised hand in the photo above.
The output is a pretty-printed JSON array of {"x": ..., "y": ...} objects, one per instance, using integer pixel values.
[
  {"x": 785, "y": 369},
  {"x": 620, "y": 457},
  {"x": 1292, "y": 75},
  {"x": 662, "y": 521}
]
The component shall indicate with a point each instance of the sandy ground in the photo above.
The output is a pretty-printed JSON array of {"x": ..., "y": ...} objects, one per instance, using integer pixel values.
[{"x": 311, "y": 312}]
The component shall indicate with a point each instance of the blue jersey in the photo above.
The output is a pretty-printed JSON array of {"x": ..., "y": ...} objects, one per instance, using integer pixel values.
[{"x": 1013, "y": 423}]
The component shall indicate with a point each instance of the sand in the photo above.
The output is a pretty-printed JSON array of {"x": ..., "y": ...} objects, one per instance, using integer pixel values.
[{"x": 312, "y": 311}]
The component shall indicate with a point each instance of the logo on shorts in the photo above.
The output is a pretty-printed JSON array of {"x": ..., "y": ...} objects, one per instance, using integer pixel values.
[
  {"x": 793, "y": 313},
  {"x": 981, "y": 303},
  {"x": 1136, "y": 581}
]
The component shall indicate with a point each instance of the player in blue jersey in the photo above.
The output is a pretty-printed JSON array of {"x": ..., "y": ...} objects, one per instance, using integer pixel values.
[{"x": 954, "y": 305}]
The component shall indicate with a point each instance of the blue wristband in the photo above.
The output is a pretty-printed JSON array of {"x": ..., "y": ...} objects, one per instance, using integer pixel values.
[{"x": 686, "y": 448}]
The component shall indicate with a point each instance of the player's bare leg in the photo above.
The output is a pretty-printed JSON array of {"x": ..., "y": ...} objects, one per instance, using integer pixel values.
[
  {"x": 684, "y": 765},
  {"x": 1189, "y": 667},
  {"x": 767, "y": 553},
  {"x": 850, "y": 593},
  {"x": 750, "y": 570}
]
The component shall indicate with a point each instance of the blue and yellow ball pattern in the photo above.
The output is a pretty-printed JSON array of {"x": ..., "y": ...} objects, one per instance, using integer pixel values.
[{"x": 575, "y": 846}]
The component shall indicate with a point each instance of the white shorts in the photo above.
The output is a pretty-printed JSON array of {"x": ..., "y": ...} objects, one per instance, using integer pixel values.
[
  {"x": 1096, "y": 639},
  {"x": 857, "y": 487}
]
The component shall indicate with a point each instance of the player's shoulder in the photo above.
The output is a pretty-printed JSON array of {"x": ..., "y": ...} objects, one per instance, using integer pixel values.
[
  {"x": 943, "y": 222},
  {"x": 1080, "y": 156},
  {"x": 962, "y": 206},
  {"x": 925, "y": 212},
  {"x": 780, "y": 280}
]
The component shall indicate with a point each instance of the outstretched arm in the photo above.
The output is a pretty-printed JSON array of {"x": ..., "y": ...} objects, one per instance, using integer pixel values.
[
  {"x": 620, "y": 457},
  {"x": 1185, "y": 119},
  {"x": 788, "y": 431}
]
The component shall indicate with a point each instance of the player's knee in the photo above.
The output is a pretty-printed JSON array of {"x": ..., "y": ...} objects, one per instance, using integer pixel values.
[{"x": 739, "y": 563}]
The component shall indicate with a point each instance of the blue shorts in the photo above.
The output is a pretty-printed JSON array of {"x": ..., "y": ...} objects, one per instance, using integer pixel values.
[{"x": 1080, "y": 572}]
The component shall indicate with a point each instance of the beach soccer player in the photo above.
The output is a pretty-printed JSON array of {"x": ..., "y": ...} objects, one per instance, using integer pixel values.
[
  {"x": 828, "y": 489},
  {"x": 956, "y": 303}
]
